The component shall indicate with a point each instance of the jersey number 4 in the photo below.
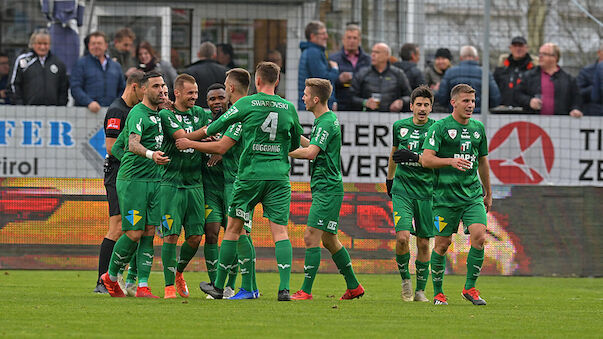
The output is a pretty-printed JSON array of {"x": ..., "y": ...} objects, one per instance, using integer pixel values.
[{"x": 270, "y": 124}]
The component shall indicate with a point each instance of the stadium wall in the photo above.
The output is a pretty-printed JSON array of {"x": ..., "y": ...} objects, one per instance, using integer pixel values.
[{"x": 545, "y": 220}]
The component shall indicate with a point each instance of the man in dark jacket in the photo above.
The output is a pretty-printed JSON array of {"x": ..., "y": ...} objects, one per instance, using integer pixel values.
[
  {"x": 38, "y": 76},
  {"x": 313, "y": 61},
  {"x": 207, "y": 71},
  {"x": 547, "y": 89},
  {"x": 121, "y": 51},
  {"x": 381, "y": 87},
  {"x": 585, "y": 82},
  {"x": 350, "y": 60},
  {"x": 509, "y": 75},
  {"x": 469, "y": 72},
  {"x": 96, "y": 80},
  {"x": 411, "y": 55}
]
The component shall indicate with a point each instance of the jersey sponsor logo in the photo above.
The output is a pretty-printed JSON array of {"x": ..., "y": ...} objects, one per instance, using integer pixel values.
[
  {"x": 172, "y": 124},
  {"x": 521, "y": 153},
  {"x": 323, "y": 137},
  {"x": 476, "y": 135},
  {"x": 452, "y": 133},
  {"x": 416, "y": 134},
  {"x": 432, "y": 139},
  {"x": 466, "y": 146},
  {"x": 232, "y": 110},
  {"x": 470, "y": 157},
  {"x": 114, "y": 123},
  {"x": 412, "y": 145},
  {"x": 269, "y": 103},
  {"x": 267, "y": 148},
  {"x": 439, "y": 223},
  {"x": 465, "y": 134},
  {"x": 133, "y": 217},
  {"x": 167, "y": 221},
  {"x": 332, "y": 225},
  {"x": 139, "y": 125},
  {"x": 196, "y": 119},
  {"x": 403, "y": 132}
]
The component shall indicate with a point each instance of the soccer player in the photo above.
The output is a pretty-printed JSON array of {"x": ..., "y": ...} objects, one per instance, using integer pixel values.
[
  {"x": 458, "y": 148},
  {"x": 138, "y": 188},
  {"x": 115, "y": 119},
  {"x": 181, "y": 190},
  {"x": 215, "y": 200},
  {"x": 323, "y": 151},
  {"x": 411, "y": 191},
  {"x": 236, "y": 86},
  {"x": 270, "y": 130}
]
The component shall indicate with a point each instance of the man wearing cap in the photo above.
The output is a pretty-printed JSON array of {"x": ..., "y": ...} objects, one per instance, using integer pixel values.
[
  {"x": 509, "y": 75},
  {"x": 435, "y": 72}
]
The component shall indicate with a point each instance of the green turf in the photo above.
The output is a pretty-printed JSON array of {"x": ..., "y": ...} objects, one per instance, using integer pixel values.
[{"x": 61, "y": 303}]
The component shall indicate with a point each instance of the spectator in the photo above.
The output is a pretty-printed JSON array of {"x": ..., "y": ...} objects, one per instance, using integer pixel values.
[
  {"x": 410, "y": 55},
  {"x": 380, "y": 87},
  {"x": 313, "y": 61},
  {"x": 350, "y": 59},
  {"x": 510, "y": 74},
  {"x": 435, "y": 72},
  {"x": 149, "y": 61},
  {"x": 206, "y": 71},
  {"x": 38, "y": 76},
  {"x": 469, "y": 72},
  {"x": 597, "y": 90},
  {"x": 276, "y": 57},
  {"x": 548, "y": 89},
  {"x": 225, "y": 55},
  {"x": 4, "y": 70},
  {"x": 121, "y": 51},
  {"x": 96, "y": 80},
  {"x": 585, "y": 82}
]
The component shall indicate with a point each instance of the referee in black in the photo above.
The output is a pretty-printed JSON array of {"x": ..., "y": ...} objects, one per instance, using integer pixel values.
[{"x": 114, "y": 123}]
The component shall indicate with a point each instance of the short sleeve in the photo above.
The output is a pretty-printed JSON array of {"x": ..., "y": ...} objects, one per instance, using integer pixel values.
[
  {"x": 234, "y": 131},
  {"x": 396, "y": 135},
  {"x": 135, "y": 124},
  {"x": 169, "y": 122},
  {"x": 483, "y": 146},
  {"x": 323, "y": 132},
  {"x": 113, "y": 123},
  {"x": 433, "y": 139}
]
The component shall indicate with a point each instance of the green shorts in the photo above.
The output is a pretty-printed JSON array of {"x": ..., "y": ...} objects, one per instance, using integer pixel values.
[
  {"x": 275, "y": 196},
  {"x": 446, "y": 218},
  {"x": 139, "y": 204},
  {"x": 324, "y": 212},
  {"x": 215, "y": 206},
  {"x": 405, "y": 209},
  {"x": 228, "y": 190},
  {"x": 181, "y": 207}
]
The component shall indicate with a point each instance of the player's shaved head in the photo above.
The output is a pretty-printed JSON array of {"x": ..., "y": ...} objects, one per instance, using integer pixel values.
[
  {"x": 240, "y": 78},
  {"x": 461, "y": 88},
  {"x": 268, "y": 72},
  {"x": 320, "y": 88},
  {"x": 181, "y": 79},
  {"x": 135, "y": 78}
]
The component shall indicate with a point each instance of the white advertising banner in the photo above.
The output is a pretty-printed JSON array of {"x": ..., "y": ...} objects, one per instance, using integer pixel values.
[{"x": 59, "y": 142}]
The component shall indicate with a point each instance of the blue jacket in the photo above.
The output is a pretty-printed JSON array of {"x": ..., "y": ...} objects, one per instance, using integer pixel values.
[
  {"x": 313, "y": 64},
  {"x": 597, "y": 90},
  {"x": 90, "y": 83},
  {"x": 343, "y": 93},
  {"x": 467, "y": 72},
  {"x": 585, "y": 81}
]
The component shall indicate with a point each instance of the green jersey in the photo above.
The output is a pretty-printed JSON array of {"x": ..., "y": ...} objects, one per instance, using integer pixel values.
[
  {"x": 270, "y": 130},
  {"x": 146, "y": 123},
  {"x": 412, "y": 180},
  {"x": 230, "y": 159},
  {"x": 213, "y": 177},
  {"x": 185, "y": 166},
  {"x": 325, "y": 169},
  {"x": 450, "y": 139},
  {"x": 118, "y": 150}
]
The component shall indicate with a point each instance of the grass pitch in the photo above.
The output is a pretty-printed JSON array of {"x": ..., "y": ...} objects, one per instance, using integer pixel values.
[{"x": 61, "y": 304}]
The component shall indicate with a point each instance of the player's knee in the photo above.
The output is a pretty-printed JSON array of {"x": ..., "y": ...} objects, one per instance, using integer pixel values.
[
  {"x": 422, "y": 245},
  {"x": 211, "y": 238},
  {"x": 403, "y": 238},
  {"x": 442, "y": 244},
  {"x": 114, "y": 234},
  {"x": 170, "y": 239},
  {"x": 134, "y": 235},
  {"x": 194, "y": 240}
]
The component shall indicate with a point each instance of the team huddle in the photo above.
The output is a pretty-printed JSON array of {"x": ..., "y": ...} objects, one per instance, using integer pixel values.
[{"x": 176, "y": 166}]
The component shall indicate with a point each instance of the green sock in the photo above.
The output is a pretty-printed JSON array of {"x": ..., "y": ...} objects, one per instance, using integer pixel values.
[
  {"x": 475, "y": 259},
  {"x": 122, "y": 252},
  {"x": 145, "y": 260},
  {"x": 311, "y": 264},
  {"x": 402, "y": 261},
  {"x": 210, "y": 251},
  {"x": 132, "y": 270},
  {"x": 168, "y": 258},
  {"x": 254, "y": 283},
  {"x": 232, "y": 272},
  {"x": 228, "y": 252},
  {"x": 438, "y": 265},
  {"x": 187, "y": 253},
  {"x": 245, "y": 263},
  {"x": 284, "y": 258},
  {"x": 422, "y": 272},
  {"x": 344, "y": 264}
]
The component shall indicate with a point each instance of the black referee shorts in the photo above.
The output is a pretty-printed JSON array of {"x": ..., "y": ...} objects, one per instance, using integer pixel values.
[{"x": 110, "y": 179}]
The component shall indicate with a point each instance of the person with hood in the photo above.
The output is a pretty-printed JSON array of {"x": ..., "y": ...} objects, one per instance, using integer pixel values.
[{"x": 313, "y": 62}]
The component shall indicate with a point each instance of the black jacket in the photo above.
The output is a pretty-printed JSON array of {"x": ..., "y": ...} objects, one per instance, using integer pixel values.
[
  {"x": 34, "y": 84},
  {"x": 567, "y": 96},
  {"x": 392, "y": 84},
  {"x": 206, "y": 72},
  {"x": 413, "y": 73},
  {"x": 343, "y": 93},
  {"x": 509, "y": 76},
  {"x": 585, "y": 80}
]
